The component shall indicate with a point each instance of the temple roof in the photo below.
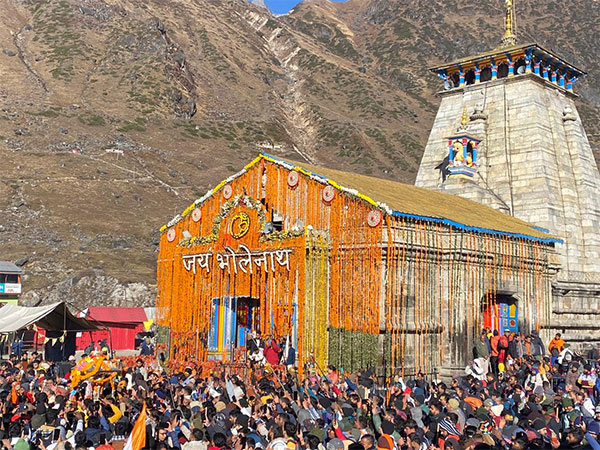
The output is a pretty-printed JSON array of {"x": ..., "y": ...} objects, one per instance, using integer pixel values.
[
  {"x": 519, "y": 48},
  {"x": 410, "y": 201},
  {"x": 402, "y": 200}
]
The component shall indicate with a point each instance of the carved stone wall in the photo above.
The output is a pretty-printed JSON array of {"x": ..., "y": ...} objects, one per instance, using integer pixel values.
[{"x": 534, "y": 162}]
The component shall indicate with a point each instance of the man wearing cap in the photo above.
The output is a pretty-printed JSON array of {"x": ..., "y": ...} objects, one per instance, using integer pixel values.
[
  {"x": 454, "y": 407},
  {"x": 569, "y": 414},
  {"x": 592, "y": 435},
  {"x": 587, "y": 380},
  {"x": 449, "y": 436}
]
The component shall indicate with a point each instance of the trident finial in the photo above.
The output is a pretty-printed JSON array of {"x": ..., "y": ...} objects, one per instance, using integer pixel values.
[{"x": 509, "y": 38}]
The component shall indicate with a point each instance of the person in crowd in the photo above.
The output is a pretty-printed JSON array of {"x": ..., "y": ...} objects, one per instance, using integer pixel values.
[
  {"x": 17, "y": 347},
  {"x": 528, "y": 404},
  {"x": 536, "y": 341},
  {"x": 556, "y": 346},
  {"x": 146, "y": 348},
  {"x": 495, "y": 352}
]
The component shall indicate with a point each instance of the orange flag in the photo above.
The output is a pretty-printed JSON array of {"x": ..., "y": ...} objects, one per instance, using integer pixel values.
[
  {"x": 137, "y": 439},
  {"x": 13, "y": 394}
]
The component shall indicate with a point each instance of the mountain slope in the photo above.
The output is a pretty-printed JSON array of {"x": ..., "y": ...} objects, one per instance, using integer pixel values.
[{"x": 116, "y": 114}]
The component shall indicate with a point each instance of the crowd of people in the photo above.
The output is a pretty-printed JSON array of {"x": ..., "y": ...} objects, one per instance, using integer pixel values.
[{"x": 516, "y": 394}]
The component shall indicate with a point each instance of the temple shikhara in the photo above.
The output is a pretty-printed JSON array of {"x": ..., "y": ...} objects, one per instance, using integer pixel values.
[
  {"x": 507, "y": 134},
  {"x": 355, "y": 271}
]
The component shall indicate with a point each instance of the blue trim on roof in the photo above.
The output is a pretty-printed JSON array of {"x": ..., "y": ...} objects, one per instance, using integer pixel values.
[
  {"x": 447, "y": 222},
  {"x": 542, "y": 229},
  {"x": 462, "y": 226}
]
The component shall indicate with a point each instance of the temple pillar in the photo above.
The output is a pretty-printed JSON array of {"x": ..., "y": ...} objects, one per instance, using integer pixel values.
[
  {"x": 528, "y": 58},
  {"x": 511, "y": 68}
]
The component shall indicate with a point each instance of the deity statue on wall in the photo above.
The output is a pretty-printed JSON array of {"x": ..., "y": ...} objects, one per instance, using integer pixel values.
[{"x": 458, "y": 151}]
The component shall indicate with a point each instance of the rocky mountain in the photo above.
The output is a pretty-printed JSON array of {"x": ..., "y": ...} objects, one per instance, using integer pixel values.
[
  {"x": 259, "y": 3},
  {"x": 116, "y": 114}
]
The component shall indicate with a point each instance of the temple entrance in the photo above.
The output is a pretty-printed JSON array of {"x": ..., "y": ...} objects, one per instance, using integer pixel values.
[
  {"x": 502, "y": 314},
  {"x": 233, "y": 319}
]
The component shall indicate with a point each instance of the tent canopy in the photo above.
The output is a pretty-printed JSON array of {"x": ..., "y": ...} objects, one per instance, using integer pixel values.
[
  {"x": 116, "y": 315},
  {"x": 54, "y": 317}
]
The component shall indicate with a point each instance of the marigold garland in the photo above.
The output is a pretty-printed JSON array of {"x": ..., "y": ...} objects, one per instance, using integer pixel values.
[{"x": 343, "y": 276}]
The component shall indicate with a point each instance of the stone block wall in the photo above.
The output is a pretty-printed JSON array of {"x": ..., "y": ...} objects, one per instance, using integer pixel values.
[{"x": 535, "y": 162}]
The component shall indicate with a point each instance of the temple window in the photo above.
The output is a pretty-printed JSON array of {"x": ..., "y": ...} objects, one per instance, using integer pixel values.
[
  {"x": 502, "y": 70},
  {"x": 486, "y": 74},
  {"x": 470, "y": 77},
  {"x": 454, "y": 78}
]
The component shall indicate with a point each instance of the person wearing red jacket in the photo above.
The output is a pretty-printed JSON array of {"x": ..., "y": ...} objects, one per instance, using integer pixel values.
[{"x": 271, "y": 352}]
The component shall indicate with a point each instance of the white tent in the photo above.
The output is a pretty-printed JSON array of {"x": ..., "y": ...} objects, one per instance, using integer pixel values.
[{"x": 54, "y": 317}]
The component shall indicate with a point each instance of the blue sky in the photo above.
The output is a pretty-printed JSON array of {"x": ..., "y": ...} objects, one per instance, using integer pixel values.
[{"x": 283, "y": 6}]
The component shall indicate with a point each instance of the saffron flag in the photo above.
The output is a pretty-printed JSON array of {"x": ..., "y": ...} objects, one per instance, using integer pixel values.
[
  {"x": 137, "y": 438},
  {"x": 13, "y": 394}
]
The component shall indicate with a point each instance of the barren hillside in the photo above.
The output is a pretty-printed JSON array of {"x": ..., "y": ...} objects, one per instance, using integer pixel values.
[{"x": 115, "y": 114}]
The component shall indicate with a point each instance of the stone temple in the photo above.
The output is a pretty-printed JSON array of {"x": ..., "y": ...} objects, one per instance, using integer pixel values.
[{"x": 507, "y": 134}]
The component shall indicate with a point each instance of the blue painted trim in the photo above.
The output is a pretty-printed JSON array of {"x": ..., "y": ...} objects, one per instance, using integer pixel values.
[
  {"x": 462, "y": 226},
  {"x": 294, "y": 337},
  {"x": 451, "y": 223},
  {"x": 215, "y": 324},
  {"x": 465, "y": 136},
  {"x": 542, "y": 229}
]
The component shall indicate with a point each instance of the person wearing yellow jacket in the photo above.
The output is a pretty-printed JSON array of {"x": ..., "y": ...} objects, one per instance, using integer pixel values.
[{"x": 116, "y": 412}]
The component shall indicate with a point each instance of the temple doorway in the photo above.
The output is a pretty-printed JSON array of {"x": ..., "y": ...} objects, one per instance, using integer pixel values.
[
  {"x": 233, "y": 318},
  {"x": 501, "y": 314}
]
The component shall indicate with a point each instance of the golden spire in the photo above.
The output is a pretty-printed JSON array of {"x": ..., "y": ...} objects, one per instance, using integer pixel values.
[
  {"x": 509, "y": 38},
  {"x": 463, "y": 120}
]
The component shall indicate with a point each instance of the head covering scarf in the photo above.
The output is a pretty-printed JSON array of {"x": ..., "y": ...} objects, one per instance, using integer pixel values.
[{"x": 446, "y": 424}]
